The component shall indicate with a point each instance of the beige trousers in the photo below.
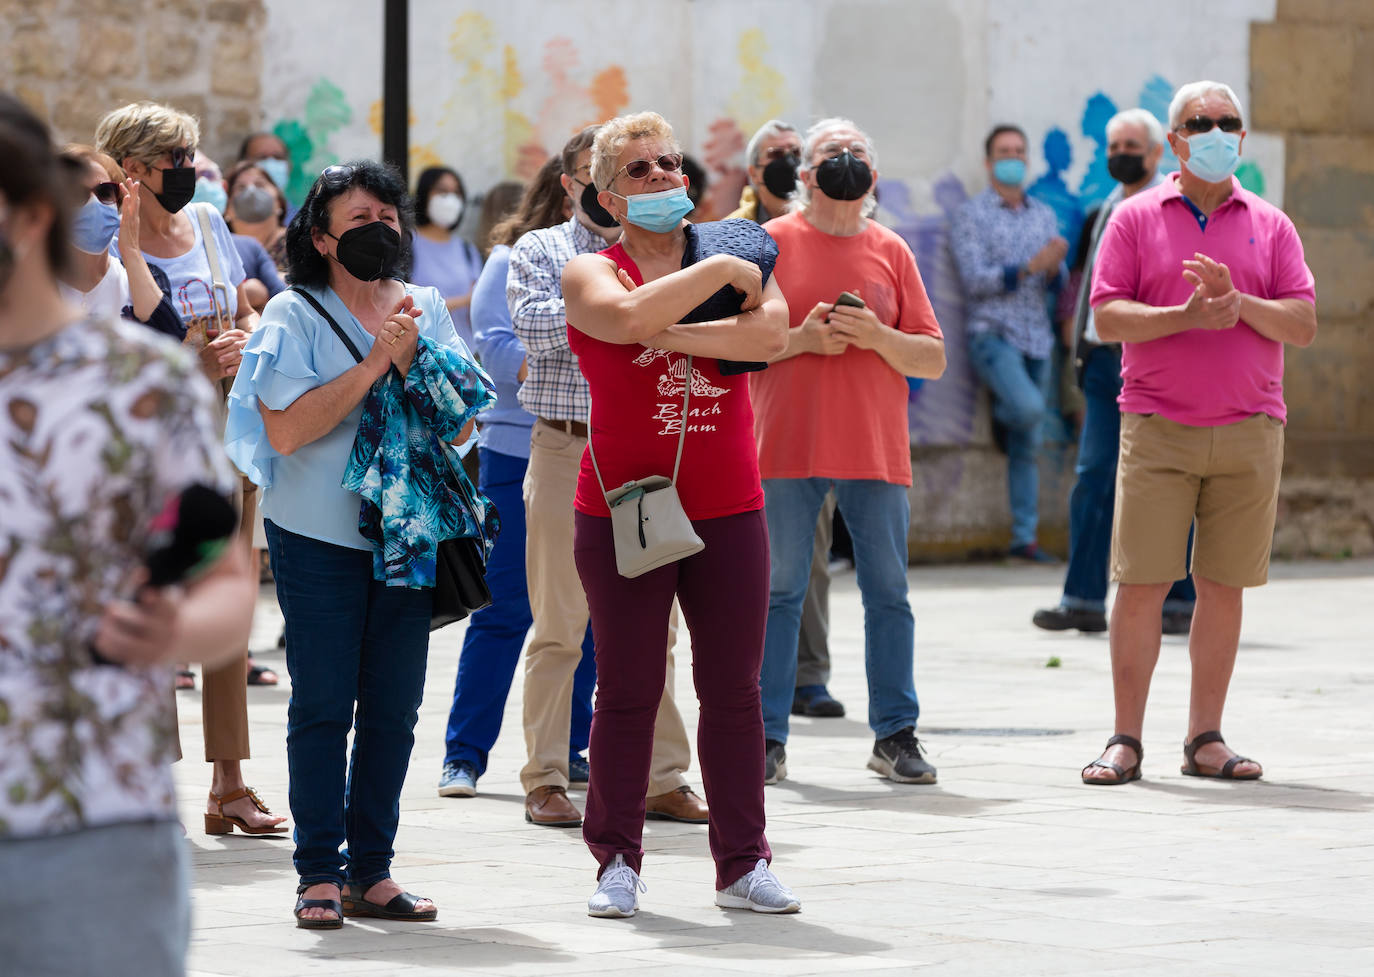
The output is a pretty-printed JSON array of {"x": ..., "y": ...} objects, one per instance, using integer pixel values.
[{"x": 560, "y": 614}]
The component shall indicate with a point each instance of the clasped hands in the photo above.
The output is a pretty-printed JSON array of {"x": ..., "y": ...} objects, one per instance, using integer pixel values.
[
  {"x": 1215, "y": 303},
  {"x": 830, "y": 329},
  {"x": 397, "y": 339}
]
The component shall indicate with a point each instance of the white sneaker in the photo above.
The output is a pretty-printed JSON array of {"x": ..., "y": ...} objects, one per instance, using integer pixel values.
[
  {"x": 617, "y": 894},
  {"x": 760, "y": 891}
]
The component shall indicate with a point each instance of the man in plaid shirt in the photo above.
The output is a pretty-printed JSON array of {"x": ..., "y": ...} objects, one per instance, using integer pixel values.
[{"x": 556, "y": 393}]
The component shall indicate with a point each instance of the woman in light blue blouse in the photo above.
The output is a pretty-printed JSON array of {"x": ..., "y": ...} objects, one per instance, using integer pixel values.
[
  {"x": 496, "y": 634},
  {"x": 352, "y": 643}
]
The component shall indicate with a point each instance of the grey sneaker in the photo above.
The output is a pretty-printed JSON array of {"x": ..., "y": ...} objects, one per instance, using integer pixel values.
[
  {"x": 898, "y": 757},
  {"x": 760, "y": 891},
  {"x": 617, "y": 894},
  {"x": 459, "y": 779},
  {"x": 774, "y": 762}
]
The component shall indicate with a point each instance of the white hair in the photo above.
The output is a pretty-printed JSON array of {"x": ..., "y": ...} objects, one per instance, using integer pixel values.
[
  {"x": 1154, "y": 132},
  {"x": 802, "y": 198},
  {"x": 1197, "y": 89},
  {"x": 771, "y": 128}
]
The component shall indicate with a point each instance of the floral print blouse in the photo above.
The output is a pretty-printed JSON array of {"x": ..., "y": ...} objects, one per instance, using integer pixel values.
[{"x": 99, "y": 425}]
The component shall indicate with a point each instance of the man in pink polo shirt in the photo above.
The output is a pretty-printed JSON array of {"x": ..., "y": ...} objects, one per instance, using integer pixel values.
[{"x": 1203, "y": 283}]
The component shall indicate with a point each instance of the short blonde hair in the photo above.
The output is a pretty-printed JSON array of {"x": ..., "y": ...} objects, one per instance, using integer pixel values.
[
  {"x": 612, "y": 137},
  {"x": 144, "y": 131},
  {"x": 80, "y": 153}
]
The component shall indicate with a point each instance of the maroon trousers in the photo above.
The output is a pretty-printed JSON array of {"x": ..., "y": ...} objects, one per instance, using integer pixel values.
[{"x": 723, "y": 593}]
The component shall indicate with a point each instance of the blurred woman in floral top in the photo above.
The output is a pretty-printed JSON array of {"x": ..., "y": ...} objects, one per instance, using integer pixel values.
[{"x": 101, "y": 422}]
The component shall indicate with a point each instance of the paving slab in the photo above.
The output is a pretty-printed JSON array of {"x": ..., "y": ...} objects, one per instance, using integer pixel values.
[{"x": 1009, "y": 865}]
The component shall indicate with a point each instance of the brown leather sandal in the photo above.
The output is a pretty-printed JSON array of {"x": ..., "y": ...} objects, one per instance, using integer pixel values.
[
  {"x": 1123, "y": 776},
  {"x": 223, "y": 824},
  {"x": 400, "y": 907},
  {"x": 1226, "y": 772}
]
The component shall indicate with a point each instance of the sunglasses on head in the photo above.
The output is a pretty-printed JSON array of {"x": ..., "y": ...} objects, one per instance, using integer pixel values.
[
  {"x": 338, "y": 175},
  {"x": 106, "y": 193},
  {"x": 640, "y": 168},
  {"x": 1201, "y": 123}
]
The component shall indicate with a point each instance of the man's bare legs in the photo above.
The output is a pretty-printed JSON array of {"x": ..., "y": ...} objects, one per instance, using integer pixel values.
[
  {"x": 1212, "y": 647},
  {"x": 1135, "y": 635}
]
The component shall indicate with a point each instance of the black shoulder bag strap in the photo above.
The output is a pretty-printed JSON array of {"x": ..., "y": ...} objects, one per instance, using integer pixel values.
[{"x": 338, "y": 330}]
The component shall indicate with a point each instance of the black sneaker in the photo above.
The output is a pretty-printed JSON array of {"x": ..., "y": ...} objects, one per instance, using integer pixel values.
[
  {"x": 1063, "y": 618},
  {"x": 898, "y": 757},
  {"x": 816, "y": 701},
  {"x": 774, "y": 762}
]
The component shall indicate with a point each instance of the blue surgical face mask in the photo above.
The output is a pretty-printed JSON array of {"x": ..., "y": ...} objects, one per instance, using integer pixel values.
[
  {"x": 95, "y": 226},
  {"x": 277, "y": 170},
  {"x": 210, "y": 192},
  {"x": 1213, "y": 155},
  {"x": 1009, "y": 172},
  {"x": 658, "y": 212}
]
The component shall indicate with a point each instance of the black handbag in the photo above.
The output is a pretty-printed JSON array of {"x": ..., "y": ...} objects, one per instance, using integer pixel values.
[
  {"x": 460, "y": 572},
  {"x": 743, "y": 239}
]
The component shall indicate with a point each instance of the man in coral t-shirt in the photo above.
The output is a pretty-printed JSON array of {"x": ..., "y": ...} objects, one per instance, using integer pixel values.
[
  {"x": 1203, "y": 283},
  {"x": 831, "y": 413}
]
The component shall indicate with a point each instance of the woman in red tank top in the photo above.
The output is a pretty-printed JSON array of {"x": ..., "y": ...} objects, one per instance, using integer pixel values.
[{"x": 625, "y": 309}]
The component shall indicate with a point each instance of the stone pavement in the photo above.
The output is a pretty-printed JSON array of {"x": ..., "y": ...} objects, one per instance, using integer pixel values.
[{"x": 1008, "y": 866}]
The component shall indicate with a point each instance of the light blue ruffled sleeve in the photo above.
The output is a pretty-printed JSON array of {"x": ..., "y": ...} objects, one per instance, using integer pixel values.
[{"x": 278, "y": 366}]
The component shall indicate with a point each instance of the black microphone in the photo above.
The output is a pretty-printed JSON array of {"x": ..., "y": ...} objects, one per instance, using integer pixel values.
[{"x": 185, "y": 539}]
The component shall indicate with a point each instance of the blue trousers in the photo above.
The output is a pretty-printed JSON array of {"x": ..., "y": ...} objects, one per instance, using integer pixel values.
[
  {"x": 877, "y": 515},
  {"x": 1017, "y": 383},
  {"x": 496, "y": 634},
  {"x": 355, "y": 649},
  {"x": 1094, "y": 492}
]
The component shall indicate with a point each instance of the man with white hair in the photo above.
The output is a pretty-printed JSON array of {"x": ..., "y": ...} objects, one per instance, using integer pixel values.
[
  {"x": 1009, "y": 253},
  {"x": 774, "y": 154},
  {"x": 831, "y": 413},
  {"x": 1202, "y": 283},
  {"x": 1135, "y": 143}
]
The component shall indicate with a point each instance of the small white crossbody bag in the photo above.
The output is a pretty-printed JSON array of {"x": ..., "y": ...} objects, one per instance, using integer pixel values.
[{"x": 649, "y": 525}]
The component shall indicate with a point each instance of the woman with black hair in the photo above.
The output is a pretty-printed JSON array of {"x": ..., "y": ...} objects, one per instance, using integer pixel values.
[
  {"x": 442, "y": 258},
  {"x": 351, "y": 640}
]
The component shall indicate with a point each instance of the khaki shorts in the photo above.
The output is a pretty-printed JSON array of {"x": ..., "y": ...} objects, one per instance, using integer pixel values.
[{"x": 1226, "y": 477}]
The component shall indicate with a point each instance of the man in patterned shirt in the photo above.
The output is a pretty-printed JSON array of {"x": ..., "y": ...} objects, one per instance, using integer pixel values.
[
  {"x": 1009, "y": 252},
  {"x": 556, "y": 393}
]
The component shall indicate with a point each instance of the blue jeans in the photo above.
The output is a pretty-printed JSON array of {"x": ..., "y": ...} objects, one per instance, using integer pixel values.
[
  {"x": 877, "y": 515},
  {"x": 355, "y": 649},
  {"x": 1017, "y": 383},
  {"x": 1094, "y": 493},
  {"x": 496, "y": 634}
]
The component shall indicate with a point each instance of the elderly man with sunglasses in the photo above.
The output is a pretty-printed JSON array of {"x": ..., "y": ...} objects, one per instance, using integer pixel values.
[
  {"x": 860, "y": 325},
  {"x": 1202, "y": 283}
]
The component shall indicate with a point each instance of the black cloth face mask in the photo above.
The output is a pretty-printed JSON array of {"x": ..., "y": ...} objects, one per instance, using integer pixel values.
[
  {"x": 1126, "y": 167},
  {"x": 369, "y": 252},
  {"x": 844, "y": 177},
  {"x": 780, "y": 176},
  {"x": 178, "y": 187},
  {"x": 598, "y": 214}
]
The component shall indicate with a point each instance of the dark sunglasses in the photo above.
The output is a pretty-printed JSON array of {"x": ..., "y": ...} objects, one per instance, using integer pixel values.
[
  {"x": 778, "y": 152},
  {"x": 640, "y": 168},
  {"x": 1200, "y": 123},
  {"x": 181, "y": 156},
  {"x": 106, "y": 193}
]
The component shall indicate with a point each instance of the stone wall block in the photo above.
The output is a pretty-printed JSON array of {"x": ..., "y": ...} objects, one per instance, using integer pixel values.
[
  {"x": 106, "y": 50},
  {"x": 1362, "y": 89},
  {"x": 1329, "y": 180},
  {"x": 1342, "y": 261},
  {"x": 1326, "y": 385},
  {"x": 236, "y": 66},
  {"x": 173, "y": 47},
  {"x": 1300, "y": 77},
  {"x": 35, "y": 56},
  {"x": 1346, "y": 12}
]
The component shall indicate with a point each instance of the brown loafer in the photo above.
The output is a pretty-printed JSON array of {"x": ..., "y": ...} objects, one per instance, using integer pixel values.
[
  {"x": 549, "y": 806},
  {"x": 677, "y": 805}
]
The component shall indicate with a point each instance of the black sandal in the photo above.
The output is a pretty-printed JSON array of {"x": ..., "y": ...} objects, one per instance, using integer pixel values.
[
  {"x": 1190, "y": 766},
  {"x": 1122, "y": 776},
  {"x": 303, "y": 904},
  {"x": 401, "y": 907}
]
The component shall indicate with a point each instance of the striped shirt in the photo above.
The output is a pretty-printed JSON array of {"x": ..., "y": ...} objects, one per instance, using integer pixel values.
[{"x": 554, "y": 387}]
